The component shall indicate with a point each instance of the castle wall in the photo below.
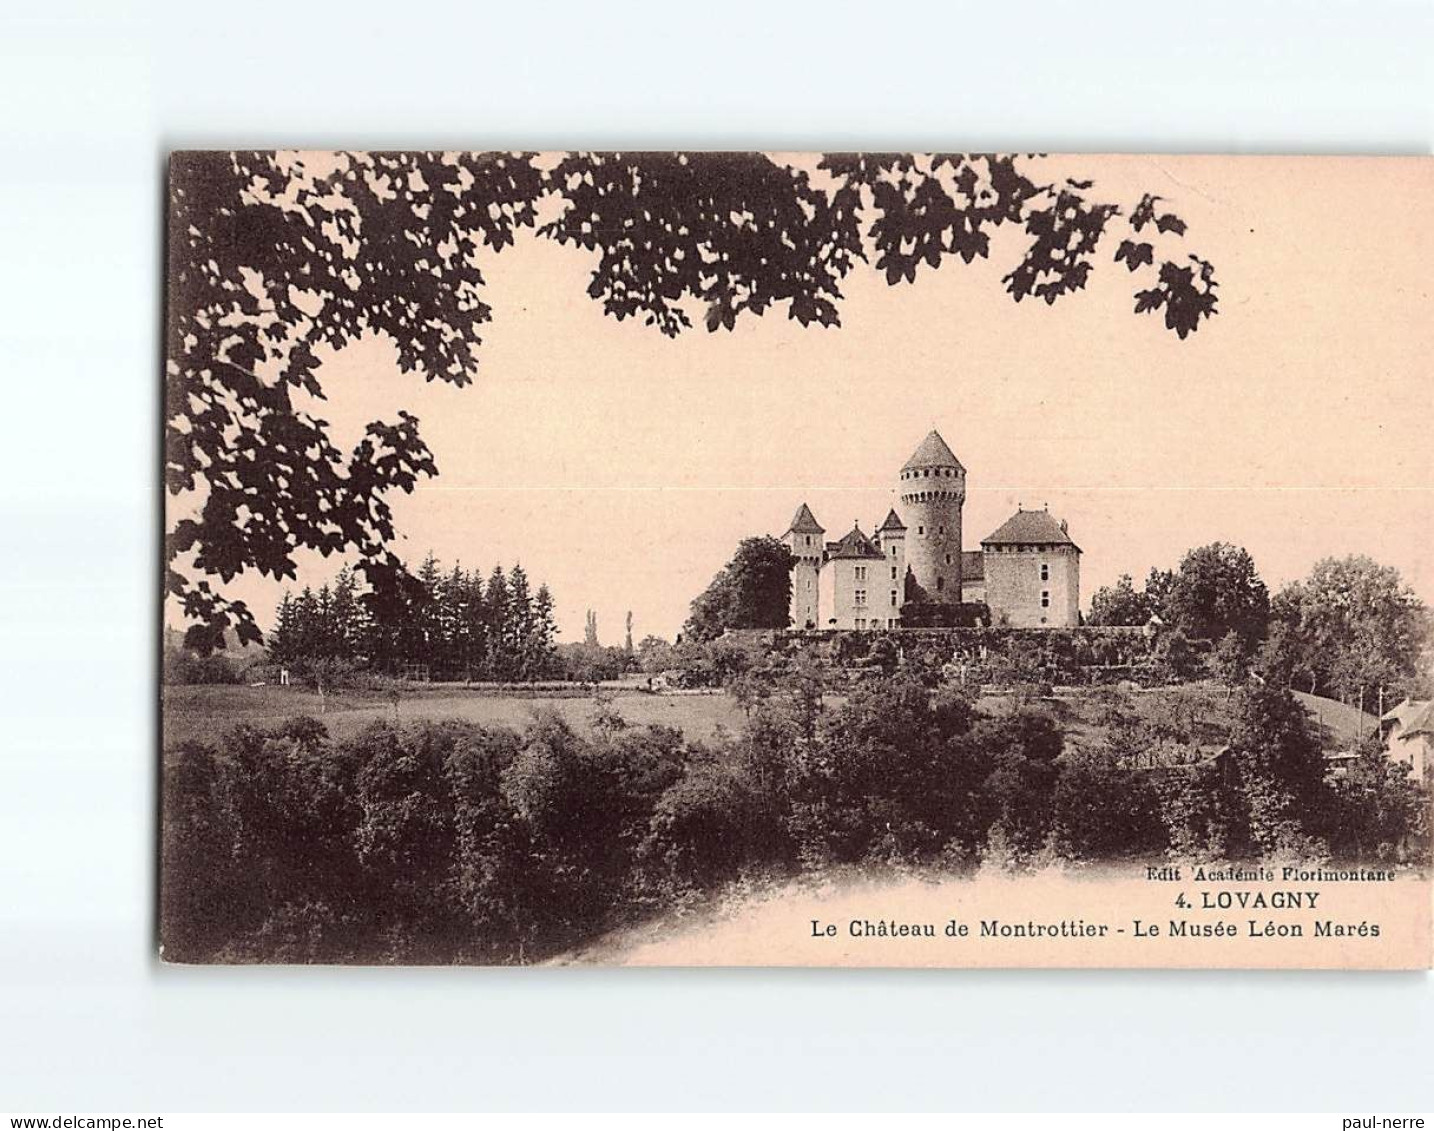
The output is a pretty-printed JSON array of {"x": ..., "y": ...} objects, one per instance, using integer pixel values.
[
  {"x": 1020, "y": 597},
  {"x": 983, "y": 656}
]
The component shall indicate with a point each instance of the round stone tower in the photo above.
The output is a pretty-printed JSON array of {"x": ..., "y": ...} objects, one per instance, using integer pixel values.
[
  {"x": 932, "y": 489},
  {"x": 805, "y": 539}
]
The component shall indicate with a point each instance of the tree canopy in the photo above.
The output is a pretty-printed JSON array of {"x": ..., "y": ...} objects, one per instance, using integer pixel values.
[
  {"x": 1120, "y": 604},
  {"x": 753, "y": 590},
  {"x": 1216, "y": 590},
  {"x": 453, "y": 625},
  {"x": 1352, "y": 626},
  {"x": 274, "y": 257},
  {"x": 1356, "y": 624}
]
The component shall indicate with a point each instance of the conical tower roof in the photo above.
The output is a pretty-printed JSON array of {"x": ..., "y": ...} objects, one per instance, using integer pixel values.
[
  {"x": 933, "y": 452},
  {"x": 804, "y": 522},
  {"x": 892, "y": 522}
]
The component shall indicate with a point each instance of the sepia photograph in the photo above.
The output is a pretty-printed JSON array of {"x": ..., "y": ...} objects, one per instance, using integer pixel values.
[
  {"x": 753, "y": 557},
  {"x": 849, "y": 558}
]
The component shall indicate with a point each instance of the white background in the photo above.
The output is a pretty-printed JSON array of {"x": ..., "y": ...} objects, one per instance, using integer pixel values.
[{"x": 93, "y": 96}]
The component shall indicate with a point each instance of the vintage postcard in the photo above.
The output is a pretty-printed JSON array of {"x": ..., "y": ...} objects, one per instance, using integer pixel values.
[{"x": 874, "y": 559}]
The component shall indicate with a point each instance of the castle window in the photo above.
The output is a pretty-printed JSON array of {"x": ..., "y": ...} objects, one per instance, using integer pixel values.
[
  {"x": 948, "y": 559},
  {"x": 861, "y": 622},
  {"x": 940, "y": 584},
  {"x": 809, "y": 539},
  {"x": 1045, "y": 572},
  {"x": 941, "y": 530},
  {"x": 1045, "y": 598},
  {"x": 893, "y": 598},
  {"x": 921, "y": 530},
  {"x": 893, "y": 552},
  {"x": 861, "y": 573},
  {"x": 927, "y": 473},
  {"x": 860, "y": 598},
  {"x": 893, "y": 573}
]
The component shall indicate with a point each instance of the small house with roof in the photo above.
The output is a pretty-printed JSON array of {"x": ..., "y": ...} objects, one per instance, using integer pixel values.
[{"x": 1409, "y": 735}]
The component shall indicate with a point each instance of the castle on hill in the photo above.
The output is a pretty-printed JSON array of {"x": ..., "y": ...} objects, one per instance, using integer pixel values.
[{"x": 1027, "y": 571}]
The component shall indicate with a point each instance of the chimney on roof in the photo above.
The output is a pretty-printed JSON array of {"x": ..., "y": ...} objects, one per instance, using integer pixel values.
[{"x": 1064, "y": 528}]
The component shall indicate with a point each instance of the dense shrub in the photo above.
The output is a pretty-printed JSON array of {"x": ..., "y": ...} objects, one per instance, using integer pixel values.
[
  {"x": 884, "y": 777},
  {"x": 1202, "y": 813},
  {"x": 1101, "y": 810},
  {"x": 446, "y": 841},
  {"x": 1378, "y": 810},
  {"x": 590, "y": 663},
  {"x": 1020, "y": 787},
  {"x": 181, "y": 666},
  {"x": 1175, "y": 659},
  {"x": 923, "y": 613},
  {"x": 1264, "y": 794},
  {"x": 702, "y": 828}
]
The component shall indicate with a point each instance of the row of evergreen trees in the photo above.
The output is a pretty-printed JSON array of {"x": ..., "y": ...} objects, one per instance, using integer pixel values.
[{"x": 453, "y": 623}]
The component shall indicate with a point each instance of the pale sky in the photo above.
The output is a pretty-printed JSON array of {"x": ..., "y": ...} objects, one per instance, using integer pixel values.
[{"x": 622, "y": 467}]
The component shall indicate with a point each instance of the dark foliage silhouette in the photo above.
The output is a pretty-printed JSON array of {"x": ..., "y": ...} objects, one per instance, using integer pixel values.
[{"x": 450, "y": 842}]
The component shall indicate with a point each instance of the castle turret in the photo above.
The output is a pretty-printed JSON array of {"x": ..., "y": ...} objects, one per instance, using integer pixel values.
[
  {"x": 891, "y": 539},
  {"x": 932, "y": 489},
  {"x": 804, "y": 539}
]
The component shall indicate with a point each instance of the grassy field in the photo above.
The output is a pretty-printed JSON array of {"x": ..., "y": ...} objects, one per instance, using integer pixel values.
[{"x": 206, "y": 712}]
